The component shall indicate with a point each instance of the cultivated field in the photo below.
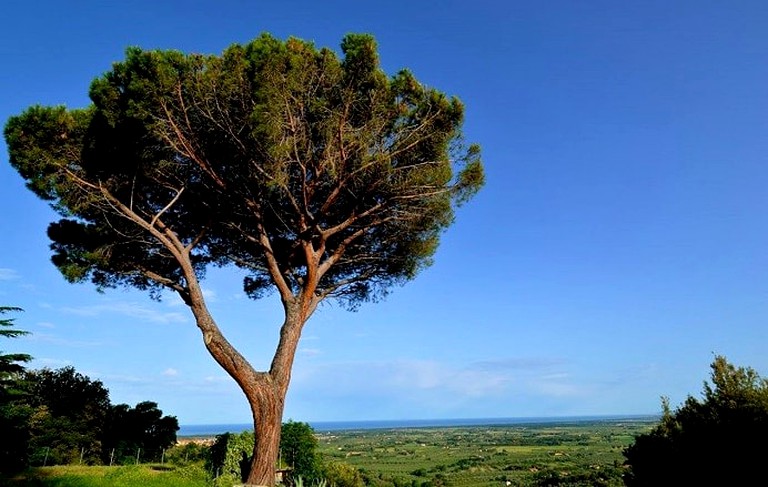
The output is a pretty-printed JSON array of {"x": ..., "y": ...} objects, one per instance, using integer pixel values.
[{"x": 586, "y": 453}]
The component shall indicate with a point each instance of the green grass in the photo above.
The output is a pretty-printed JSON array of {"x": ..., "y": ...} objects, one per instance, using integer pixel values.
[{"x": 134, "y": 476}]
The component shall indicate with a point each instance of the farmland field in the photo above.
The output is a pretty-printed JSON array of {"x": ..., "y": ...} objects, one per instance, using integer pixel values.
[{"x": 577, "y": 453}]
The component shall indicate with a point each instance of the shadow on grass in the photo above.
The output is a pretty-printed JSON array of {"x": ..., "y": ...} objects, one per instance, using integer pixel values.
[
  {"x": 38, "y": 477},
  {"x": 57, "y": 476}
]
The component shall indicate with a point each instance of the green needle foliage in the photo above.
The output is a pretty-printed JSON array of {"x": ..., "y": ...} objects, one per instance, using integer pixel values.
[
  {"x": 272, "y": 139},
  {"x": 10, "y": 363},
  {"x": 319, "y": 177}
]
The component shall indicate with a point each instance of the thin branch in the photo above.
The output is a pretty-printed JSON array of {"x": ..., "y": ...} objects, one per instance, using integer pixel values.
[
  {"x": 162, "y": 280},
  {"x": 199, "y": 237},
  {"x": 167, "y": 207},
  {"x": 328, "y": 232}
]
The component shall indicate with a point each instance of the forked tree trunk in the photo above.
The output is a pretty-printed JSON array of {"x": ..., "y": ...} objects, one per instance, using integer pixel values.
[
  {"x": 265, "y": 391},
  {"x": 266, "y": 398}
]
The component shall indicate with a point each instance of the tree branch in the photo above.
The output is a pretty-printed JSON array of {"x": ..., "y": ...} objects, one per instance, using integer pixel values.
[{"x": 167, "y": 207}]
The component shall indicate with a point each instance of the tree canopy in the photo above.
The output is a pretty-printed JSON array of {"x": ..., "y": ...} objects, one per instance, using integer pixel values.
[
  {"x": 266, "y": 157},
  {"x": 708, "y": 441},
  {"x": 318, "y": 176}
]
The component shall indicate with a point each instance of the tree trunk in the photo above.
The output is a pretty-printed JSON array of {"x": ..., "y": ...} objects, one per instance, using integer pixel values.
[{"x": 267, "y": 407}]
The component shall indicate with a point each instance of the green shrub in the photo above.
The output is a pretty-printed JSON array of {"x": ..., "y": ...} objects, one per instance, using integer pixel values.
[
  {"x": 714, "y": 441},
  {"x": 189, "y": 453},
  {"x": 299, "y": 482},
  {"x": 340, "y": 474},
  {"x": 230, "y": 456}
]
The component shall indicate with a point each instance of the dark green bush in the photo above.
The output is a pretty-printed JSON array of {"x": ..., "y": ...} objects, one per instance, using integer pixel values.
[
  {"x": 713, "y": 441},
  {"x": 229, "y": 456},
  {"x": 340, "y": 474}
]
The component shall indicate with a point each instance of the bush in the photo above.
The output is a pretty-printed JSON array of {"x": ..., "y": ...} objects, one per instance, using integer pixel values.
[
  {"x": 230, "y": 456},
  {"x": 584, "y": 478},
  {"x": 343, "y": 475},
  {"x": 188, "y": 453},
  {"x": 14, "y": 431},
  {"x": 706, "y": 442}
]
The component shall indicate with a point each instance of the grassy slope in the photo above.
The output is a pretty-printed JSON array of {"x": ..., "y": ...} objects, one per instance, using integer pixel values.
[{"x": 140, "y": 476}]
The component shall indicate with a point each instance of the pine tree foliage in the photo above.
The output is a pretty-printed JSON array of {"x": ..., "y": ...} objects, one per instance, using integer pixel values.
[
  {"x": 11, "y": 364},
  {"x": 297, "y": 166}
]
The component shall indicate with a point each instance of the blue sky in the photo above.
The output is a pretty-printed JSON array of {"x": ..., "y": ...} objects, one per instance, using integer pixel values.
[{"x": 620, "y": 242}]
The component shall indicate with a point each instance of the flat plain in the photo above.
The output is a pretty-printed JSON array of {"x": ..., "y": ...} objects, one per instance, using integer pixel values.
[{"x": 572, "y": 453}]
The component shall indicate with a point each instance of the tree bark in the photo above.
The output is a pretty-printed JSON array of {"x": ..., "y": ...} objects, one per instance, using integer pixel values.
[
  {"x": 267, "y": 407},
  {"x": 267, "y": 395},
  {"x": 265, "y": 391}
]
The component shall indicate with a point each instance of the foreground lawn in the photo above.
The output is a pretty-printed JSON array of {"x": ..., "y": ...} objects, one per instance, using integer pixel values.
[{"x": 134, "y": 476}]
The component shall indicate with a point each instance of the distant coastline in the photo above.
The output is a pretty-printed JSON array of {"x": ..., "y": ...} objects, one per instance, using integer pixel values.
[{"x": 208, "y": 430}]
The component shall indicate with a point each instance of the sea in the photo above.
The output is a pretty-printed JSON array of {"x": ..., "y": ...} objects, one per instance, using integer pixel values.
[{"x": 206, "y": 430}]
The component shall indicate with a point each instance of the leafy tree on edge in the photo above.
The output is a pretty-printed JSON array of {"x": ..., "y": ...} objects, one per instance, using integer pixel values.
[
  {"x": 319, "y": 177},
  {"x": 10, "y": 363},
  {"x": 713, "y": 441}
]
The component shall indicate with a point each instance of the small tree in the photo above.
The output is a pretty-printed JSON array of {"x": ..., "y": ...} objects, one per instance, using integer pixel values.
[
  {"x": 298, "y": 450},
  {"x": 318, "y": 177},
  {"x": 713, "y": 441}
]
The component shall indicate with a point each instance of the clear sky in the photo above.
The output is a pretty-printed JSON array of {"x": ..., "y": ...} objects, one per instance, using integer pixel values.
[{"x": 620, "y": 242}]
